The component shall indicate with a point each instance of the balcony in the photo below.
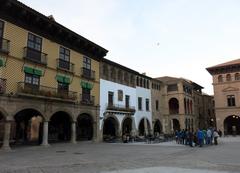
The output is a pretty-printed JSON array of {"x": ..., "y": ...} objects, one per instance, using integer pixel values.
[
  {"x": 118, "y": 107},
  {"x": 4, "y": 45},
  {"x": 87, "y": 73},
  {"x": 87, "y": 99},
  {"x": 2, "y": 85},
  {"x": 65, "y": 65},
  {"x": 45, "y": 92},
  {"x": 35, "y": 56}
]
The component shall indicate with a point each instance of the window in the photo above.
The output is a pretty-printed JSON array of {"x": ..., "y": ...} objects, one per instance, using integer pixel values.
[
  {"x": 137, "y": 81},
  {"x": 34, "y": 42},
  {"x": 127, "y": 99},
  {"x": 147, "y": 104},
  {"x": 126, "y": 78},
  {"x": 228, "y": 77},
  {"x": 64, "y": 58},
  {"x": 120, "y": 95},
  {"x": 237, "y": 76},
  {"x": 113, "y": 74},
  {"x": 147, "y": 84},
  {"x": 132, "y": 79},
  {"x": 157, "y": 106},
  {"x": 139, "y": 103},
  {"x": 62, "y": 87},
  {"x": 31, "y": 79},
  {"x": 220, "y": 78},
  {"x": 86, "y": 95},
  {"x": 172, "y": 87},
  {"x": 86, "y": 63},
  {"x": 120, "y": 75},
  {"x": 231, "y": 100},
  {"x": 110, "y": 98},
  {"x": 105, "y": 70}
]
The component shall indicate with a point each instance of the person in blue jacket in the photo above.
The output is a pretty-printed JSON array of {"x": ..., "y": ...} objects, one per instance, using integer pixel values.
[{"x": 200, "y": 137}]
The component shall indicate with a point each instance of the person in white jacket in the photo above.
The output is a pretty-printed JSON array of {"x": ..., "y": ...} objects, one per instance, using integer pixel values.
[{"x": 215, "y": 137}]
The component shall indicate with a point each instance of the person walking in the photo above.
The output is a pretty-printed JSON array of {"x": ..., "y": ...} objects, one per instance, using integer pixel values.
[
  {"x": 215, "y": 137},
  {"x": 209, "y": 136},
  {"x": 200, "y": 137}
]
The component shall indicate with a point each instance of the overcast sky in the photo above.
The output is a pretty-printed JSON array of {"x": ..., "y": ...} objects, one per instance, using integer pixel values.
[{"x": 177, "y": 38}]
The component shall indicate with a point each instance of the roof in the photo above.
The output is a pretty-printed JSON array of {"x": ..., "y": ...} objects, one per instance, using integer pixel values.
[
  {"x": 21, "y": 15},
  {"x": 230, "y": 66},
  {"x": 124, "y": 68}
]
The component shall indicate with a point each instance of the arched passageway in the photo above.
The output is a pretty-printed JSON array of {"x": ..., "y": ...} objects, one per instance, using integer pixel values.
[
  {"x": 84, "y": 127},
  {"x": 232, "y": 125},
  {"x": 59, "y": 127},
  {"x": 173, "y": 106},
  {"x": 144, "y": 129},
  {"x": 176, "y": 124},
  {"x": 157, "y": 127},
  {"x": 110, "y": 128},
  {"x": 127, "y": 126},
  {"x": 28, "y": 127}
]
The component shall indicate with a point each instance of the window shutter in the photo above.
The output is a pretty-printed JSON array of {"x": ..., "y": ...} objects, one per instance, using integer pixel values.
[{"x": 28, "y": 70}]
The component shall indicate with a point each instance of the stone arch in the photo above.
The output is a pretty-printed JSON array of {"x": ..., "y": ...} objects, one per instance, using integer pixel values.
[
  {"x": 110, "y": 127},
  {"x": 28, "y": 126},
  {"x": 34, "y": 107},
  {"x": 85, "y": 127},
  {"x": 232, "y": 125},
  {"x": 228, "y": 77},
  {"x": 237, "y": 76},
  {"x": 70, "y": 114},
  {"x": 142, "y": 130},
  {"x": 60, "y": 127},
  {"x": 173, "y": 105},
  {"x": 220, "y": 78}
]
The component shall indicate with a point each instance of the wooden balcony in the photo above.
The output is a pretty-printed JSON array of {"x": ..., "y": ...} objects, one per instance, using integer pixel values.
[
  {"x": 35, "y": 56},
  {"x": 87, "y": 73}
]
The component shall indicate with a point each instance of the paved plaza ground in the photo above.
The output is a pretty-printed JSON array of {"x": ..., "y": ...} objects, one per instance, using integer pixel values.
[{"x": 87, "y": 157}]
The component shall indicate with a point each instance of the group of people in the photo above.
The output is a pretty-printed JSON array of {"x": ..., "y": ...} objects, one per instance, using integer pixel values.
[{"x": 198, "y": 138}]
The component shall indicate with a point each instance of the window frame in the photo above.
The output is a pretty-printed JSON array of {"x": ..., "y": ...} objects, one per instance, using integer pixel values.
[
  {"x": 33, "y": 43},
  {"x": 147, "y": 102},
  {"x": 231, "y": 101},
  {"x": 140, "y": 103},
  {"x": 87, "y": 64}
]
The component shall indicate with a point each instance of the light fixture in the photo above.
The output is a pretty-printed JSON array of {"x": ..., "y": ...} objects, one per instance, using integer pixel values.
[{"x": 233, "y": 116}]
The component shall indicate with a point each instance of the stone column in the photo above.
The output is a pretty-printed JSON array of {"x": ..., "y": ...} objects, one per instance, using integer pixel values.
[
  {"x": 6, "y": 138},
  {"x": 73, "y": 133},
  {"x": 133, "y": 131},
  {"x": 145, "y": 126},
  {"x": 45, "y": 134}
]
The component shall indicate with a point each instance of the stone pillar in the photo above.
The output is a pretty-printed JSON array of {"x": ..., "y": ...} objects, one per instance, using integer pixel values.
[
  {"x": 6, "y": 138},
  {"x": 145, "y": 126},
  {"x": 133, "y": 127},
  {"x": 73, "y": 133},
  {"x": 45, "y": 134}
]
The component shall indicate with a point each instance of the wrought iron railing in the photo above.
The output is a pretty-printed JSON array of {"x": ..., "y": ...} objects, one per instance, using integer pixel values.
[
  {"x": 35, "y": 56},
  {"x": 4, "y": 45},
  {"x": 87, "y": 73},
  {"x": 39, "y": 90},
  {"x": 65, "y": 65},
  {"x": 87, "y": 99},
  {"x": 2, "y": 85},
  {"x": 118, "y": 107}
]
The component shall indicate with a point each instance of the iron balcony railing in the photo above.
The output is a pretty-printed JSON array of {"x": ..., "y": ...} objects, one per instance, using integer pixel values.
[
  {"x": 118, "y": 107},
  {"x": 87, "y": 73},
  {"x": 65, "y": 65},
  {"x": 4, "y": 45},
  {"x": 39, "y": 90},
  {"x": 87, "y": 99},
  {"x": 2, "y": 85},
  {"x": 35, "y": 56}
]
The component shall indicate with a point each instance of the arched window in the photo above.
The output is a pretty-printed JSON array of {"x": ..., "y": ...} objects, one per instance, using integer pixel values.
[
  {"x": 220, "y": 78},
  {"x": 237, "y": 76},
  {"x": 228, "y": 77}
]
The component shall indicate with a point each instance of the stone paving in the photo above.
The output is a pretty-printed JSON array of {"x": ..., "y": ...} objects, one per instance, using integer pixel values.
[{"x": 87, "y": 157}]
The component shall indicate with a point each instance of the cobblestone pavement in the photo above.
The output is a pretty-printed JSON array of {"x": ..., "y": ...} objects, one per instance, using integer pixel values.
[{"x": 87, "y": 157}]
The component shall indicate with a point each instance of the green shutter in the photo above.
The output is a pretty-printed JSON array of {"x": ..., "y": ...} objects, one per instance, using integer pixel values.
[
  {"x": 1, "y": 63},
  {"x": 86, "y": 85},
  {"x": 28, "y": 70},
  {"x": 67, "y": 80},
  {"x": 60, "y": 78},
  {"x": 38, "y": 72}
]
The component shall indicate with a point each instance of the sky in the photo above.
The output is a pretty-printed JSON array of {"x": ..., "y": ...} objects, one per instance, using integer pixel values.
[{"x": 178, "y": 38}]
